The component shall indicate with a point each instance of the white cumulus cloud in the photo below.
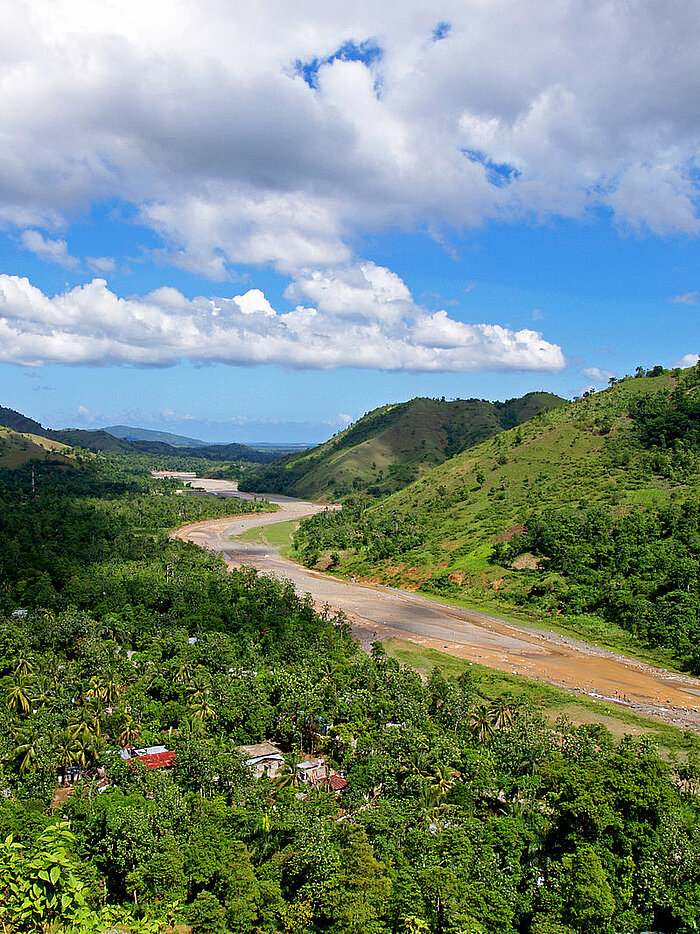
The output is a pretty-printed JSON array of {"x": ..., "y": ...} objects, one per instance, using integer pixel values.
[
  {"x": 91, "y": 325},
  {"x": 242, "y": 144},
  {"x": 596, "y": 374},
  {"x": 51, "y": 251}
]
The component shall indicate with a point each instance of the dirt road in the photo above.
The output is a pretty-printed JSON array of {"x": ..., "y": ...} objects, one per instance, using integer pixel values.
[{"x": 383, "y": 613}]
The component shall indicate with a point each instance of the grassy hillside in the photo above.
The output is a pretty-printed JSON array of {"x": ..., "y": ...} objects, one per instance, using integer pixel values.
[
  {"x": 17, "y": 448},
  {"x": 394, "y": 445},
  {"x": 586, "y": 515}
]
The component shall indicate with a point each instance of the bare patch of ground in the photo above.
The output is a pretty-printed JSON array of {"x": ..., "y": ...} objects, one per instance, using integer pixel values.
[
  {"x": 506, "y": 536},
  {"x": 526, "y": 562}
]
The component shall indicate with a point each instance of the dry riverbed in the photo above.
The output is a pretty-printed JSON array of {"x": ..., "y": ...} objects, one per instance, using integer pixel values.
[{"x": 380, "y": 613}]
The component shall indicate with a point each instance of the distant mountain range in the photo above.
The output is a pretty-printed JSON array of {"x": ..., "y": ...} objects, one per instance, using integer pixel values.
[
  {"x": 128, "y": 433},
  {"x": 102, "y": 440}
]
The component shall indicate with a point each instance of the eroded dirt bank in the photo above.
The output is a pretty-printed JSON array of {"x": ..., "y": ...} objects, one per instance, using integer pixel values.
[{"x": 383, "y": 613}]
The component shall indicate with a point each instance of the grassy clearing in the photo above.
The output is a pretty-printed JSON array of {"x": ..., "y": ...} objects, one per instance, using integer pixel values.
[
  {"x": 16, "y": 448},
  {"x": 277, "y": 534},
  {"x": 553, "y": 702}
]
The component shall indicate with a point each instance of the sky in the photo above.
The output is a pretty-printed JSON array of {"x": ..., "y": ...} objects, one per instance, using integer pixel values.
[{"x": 257, "y": 222}]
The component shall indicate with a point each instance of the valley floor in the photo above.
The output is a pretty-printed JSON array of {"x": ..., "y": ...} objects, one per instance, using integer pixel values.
[{"x": 381, "y": 613}]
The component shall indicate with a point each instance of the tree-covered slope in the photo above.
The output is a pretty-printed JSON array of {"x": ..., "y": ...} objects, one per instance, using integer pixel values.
[
  {"x": 452, "y": 806},
  {"x": 586, "y": 512},
  {"x": 9, "y": 418},
  {"x": 394, "y": 445}
]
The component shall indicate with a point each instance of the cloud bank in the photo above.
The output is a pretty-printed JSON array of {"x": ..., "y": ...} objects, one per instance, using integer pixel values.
[
  {"x": 362, "y": 317},
  {"x": 271, "y": 133}
]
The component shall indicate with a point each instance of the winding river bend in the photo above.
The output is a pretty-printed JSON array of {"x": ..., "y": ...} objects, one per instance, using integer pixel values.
[{"x": 378, "y": 612}]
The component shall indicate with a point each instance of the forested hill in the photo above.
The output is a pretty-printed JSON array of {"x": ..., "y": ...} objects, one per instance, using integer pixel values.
[
  {"x": 101, "y": 440},
  {"x": 395, "y": 444},
  {"x": 18, "y": 422},
  {"x": 588, "y": 513}
]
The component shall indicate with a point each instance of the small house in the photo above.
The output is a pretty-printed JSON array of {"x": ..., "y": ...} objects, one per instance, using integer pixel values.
[
  {"x": 153, "y": 757},
  {"x": 312, "y": 770},
  {"x": 262, "y": 758}
]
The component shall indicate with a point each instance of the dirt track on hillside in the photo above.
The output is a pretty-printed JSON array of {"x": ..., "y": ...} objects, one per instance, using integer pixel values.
[{"x": 380, "y": 613}]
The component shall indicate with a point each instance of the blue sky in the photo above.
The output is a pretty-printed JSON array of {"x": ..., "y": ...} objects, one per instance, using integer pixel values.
[{"x": 208, "y": 230}]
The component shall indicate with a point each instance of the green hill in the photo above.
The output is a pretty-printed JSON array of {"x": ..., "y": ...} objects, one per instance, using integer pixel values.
[
  {"x": 9, "y": 418},
  {"x": 587, "y": 514},
  {"x": 128, "y": 433},
  {"x": 17, "y": 448},
  {"x": 394, "y": 445}
]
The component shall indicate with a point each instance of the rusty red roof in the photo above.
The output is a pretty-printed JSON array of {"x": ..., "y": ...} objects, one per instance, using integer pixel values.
[
  {"x": 157, "y": 760},
  {"x": 336, "y": 782}
]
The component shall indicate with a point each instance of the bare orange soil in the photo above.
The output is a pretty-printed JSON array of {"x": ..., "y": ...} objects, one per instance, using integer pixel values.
[{"x": 379, "y": 613}]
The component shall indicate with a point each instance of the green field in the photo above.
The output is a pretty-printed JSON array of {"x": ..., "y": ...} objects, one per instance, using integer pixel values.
[{"x": 277, "y": 535}]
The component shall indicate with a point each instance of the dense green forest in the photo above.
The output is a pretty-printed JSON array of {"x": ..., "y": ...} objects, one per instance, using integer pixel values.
[{"x": 463, "y": 812}]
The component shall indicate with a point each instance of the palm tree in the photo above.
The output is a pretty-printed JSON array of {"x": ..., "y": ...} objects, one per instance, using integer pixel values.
[
  {"x": 94, "y": 692},
  {"x": 111, "y": 627},
  {"x": 184, "y": 672},
  {"x": 443, "y": 778},
  {"x": 85, "y": 751},
  {"x": 501, "y": 711},
  {"x": 428, "y": 797},
  {"x": 199, "y": 680},
  {"x": 129, "y": 734},
  {"x": 287, "y": 777},
  {"x": 86, "y": 725},
  {"x": 66, "y": 752},
  {"x": 414, "y": 925},
  {"x": 103, "y": 690},
  {"x": 24, "y": 755},
  {"x": 24, "y": 668},
  {"x": 432, "y": 804},
  {"x": 110, "y": 691},
  {"x": 190, "y": 727},
  {"x": 44, "y": 695},
  {"x": 480, "y": 724},
  {"x": 201, "y": 708},
  {"x": 17, "y": 697}
]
